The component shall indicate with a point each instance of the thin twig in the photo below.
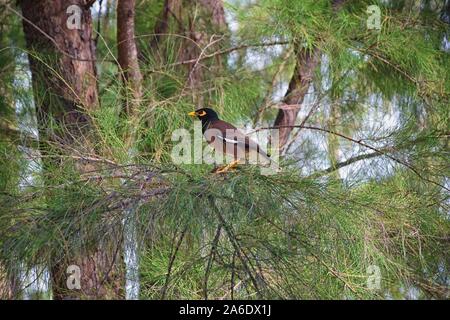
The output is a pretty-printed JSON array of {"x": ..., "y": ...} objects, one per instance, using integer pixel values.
[
  {"x": 399, "y": 161},
  {"x": 240, "y": 253},
  {"x": 172, "y": 260},
  {"x": 210, "y": 259}
]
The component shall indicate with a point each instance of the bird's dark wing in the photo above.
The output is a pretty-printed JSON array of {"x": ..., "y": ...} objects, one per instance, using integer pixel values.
[
  {"x": 234, "y": 138},
  {"x": 229, "y": 133}
]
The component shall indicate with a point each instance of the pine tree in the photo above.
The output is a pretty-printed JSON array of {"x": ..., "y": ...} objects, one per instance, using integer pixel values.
[{"x": 359, "y": 209}]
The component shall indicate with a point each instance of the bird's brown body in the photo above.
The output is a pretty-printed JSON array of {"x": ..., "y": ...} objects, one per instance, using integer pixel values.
[
  {"x": 232, "y": 142},
  {"x": 227, "y": 139}
]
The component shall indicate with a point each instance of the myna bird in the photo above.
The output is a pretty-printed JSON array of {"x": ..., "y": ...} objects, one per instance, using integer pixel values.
[{"x": 227, "y": 139}]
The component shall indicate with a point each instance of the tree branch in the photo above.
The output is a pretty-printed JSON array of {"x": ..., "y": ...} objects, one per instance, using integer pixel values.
[
  {"x": 350, "y": 161},
  {"x": 359, "y": 142}
]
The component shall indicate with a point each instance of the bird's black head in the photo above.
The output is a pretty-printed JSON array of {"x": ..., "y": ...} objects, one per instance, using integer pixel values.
[{"x": 205, "y": 114}]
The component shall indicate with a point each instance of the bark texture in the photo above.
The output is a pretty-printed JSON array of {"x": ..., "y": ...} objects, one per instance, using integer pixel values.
[
  {"x": 72, "y": 83},
  {"x": 62, "y": 62},
  {"x": 128, "y": 53},
  {"x": 101, "y": 278}
]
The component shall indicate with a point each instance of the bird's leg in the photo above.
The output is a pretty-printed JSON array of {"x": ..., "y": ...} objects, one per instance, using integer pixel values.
[{"x": 232, "y": 165}]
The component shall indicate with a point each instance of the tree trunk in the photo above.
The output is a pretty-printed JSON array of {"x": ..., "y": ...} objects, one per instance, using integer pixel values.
[
  {"x": 58, "y": 34},
  {"x": 306, "y": 64},
  {"x": 9, "y": 140},
  {"x": 101, "y": 275},
  {"x": 307, "y": 61},
  {"x": 201, "y": 22},
  {"x": 128, "y": 53},
  {"x": 203, "y": 31},
  {"x": 216, "y": 11},
  {"x": 72, "y": 49},
  {"x": 132, "y": 79}
]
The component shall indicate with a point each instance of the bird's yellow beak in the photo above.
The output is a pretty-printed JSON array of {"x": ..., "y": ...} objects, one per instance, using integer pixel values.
[{"x": 192, "y": 114}]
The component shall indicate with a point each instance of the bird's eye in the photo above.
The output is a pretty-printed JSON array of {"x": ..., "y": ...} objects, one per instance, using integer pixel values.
[{"x": 201, "y": 114}]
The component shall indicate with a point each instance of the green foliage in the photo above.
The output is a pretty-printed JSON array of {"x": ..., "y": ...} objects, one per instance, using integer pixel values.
[
  {"x": 309, "y": 232},
  {"x": 295, "y": 237}
]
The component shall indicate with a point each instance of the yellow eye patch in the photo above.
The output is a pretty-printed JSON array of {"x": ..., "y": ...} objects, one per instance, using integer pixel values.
[{"x": 201, "y": 114}]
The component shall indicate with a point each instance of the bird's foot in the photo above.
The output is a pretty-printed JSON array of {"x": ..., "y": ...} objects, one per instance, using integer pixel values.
[{"x": 228, "y": 167}]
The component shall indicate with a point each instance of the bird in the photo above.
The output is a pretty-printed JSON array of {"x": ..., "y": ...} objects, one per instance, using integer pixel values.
[{"x": 228, "y": 140}]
